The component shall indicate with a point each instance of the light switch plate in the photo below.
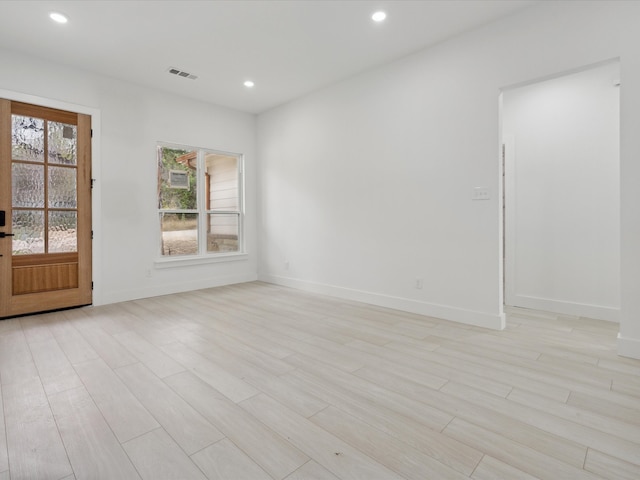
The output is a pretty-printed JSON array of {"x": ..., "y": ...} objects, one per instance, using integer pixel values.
[{"x": 480, "y": 193}]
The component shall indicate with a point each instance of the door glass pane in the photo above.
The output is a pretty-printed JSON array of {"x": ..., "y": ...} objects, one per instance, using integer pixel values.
[
  {"x": 179, "y": 233},
  {"x": 177, "y": 189},
  {"x": 62, "y": 232},
  {"x": 28, "y": 230},
  {"x": 27, "y": 185},
  {"x": 62, "y": 143},
  {"x": 27, "y": 138},
  {"x": 222, "y": 174},
  {"x": 222, "y": 234},
  {"x": 62, "y": 187}
]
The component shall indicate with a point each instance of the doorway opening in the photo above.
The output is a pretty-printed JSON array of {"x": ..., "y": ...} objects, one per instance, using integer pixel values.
[{"x": 560, "y": 160}]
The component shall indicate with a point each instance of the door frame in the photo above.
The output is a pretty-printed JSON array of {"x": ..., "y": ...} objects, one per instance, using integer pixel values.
[{"x": 96, "y": 216}]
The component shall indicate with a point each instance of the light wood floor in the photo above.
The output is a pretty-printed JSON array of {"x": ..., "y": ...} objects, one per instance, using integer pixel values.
[{"x": 257, "y": 382}]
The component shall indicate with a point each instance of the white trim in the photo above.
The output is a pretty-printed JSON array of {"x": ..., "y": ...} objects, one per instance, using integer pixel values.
[
  {"x": 598, "y": 312},
  {"x": 96, "y": 210},
  {"x": 148, "y": 292},
  {"x": 185, "y": 261},
  {"x": 509, "y": 241},
  {"x": 628, "y": 347},
  {"x": 469, "y": 317}
]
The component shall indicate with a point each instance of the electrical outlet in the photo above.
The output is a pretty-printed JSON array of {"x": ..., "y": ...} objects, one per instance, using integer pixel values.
[
  {"x": 419, "y": 283},
  {"x": 286, "y": 264},
  {"x": 147, "y": 273}
]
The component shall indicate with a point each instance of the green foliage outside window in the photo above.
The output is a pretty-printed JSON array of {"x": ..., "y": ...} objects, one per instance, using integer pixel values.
[{"x": 175, "y": 198}]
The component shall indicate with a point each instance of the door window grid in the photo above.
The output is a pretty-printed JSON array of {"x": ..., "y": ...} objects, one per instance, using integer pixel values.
[{"x": 44, "y": 181}]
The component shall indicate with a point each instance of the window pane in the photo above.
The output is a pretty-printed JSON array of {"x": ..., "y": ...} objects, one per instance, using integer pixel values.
[
  {"x": 27, "y": 138},
  {"x": 28, "y": 231},
  {"x": 222, "y": 233},
  {"x": 177, "y": 185},
  {"x": 62, "y": 187},
  {"x": 179, "y": 233},
  {"x": 63, "y": 232},
  {"x": 62, "y": 143},
  {"x": 27, "y": 183},
  {"x": 222, "y": 182}
]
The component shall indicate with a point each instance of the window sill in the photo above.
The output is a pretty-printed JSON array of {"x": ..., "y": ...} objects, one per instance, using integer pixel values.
[{"x": 186, "y": 261}]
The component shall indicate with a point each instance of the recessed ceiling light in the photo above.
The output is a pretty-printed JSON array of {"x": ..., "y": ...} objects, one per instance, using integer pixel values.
[
  {"x": 378, "y": 16},
  {"x": 58, "y": 17},
  {"x": 249, "y": 84}
]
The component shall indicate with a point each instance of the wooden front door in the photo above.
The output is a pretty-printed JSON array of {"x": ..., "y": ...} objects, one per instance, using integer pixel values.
[{"x": 45, "y": 209}]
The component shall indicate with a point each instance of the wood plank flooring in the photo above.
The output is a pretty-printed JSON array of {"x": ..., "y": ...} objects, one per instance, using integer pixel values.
[{"x": 257, "y": 382}]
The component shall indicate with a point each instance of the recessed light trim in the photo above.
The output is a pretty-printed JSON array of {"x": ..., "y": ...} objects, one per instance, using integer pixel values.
[
  {"x": 249, "y": 84},
  {"x": 378, "y": 16},
  {"x": 58, "y": 17}
]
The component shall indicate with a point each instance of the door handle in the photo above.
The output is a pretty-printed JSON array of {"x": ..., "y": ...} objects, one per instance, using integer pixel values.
[{"x": 2, "y": 234}]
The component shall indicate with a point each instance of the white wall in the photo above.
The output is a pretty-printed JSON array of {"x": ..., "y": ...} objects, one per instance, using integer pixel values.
[
  {"x": 130, "y": 120},
  {"x": 563, "y": 194},
  {"x": 366, "y": 185}
]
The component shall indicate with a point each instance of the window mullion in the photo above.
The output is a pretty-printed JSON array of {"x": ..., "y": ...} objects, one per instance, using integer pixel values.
[
  {"x": 241, "y": 204},
  {"x": 223, "y": 212},
  {"x": 169, "y": 210},
  {"x": 202, "y": 228}
]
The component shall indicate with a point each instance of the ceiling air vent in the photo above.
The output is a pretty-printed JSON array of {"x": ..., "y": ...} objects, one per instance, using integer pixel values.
[{"x": 180, "y": 73}]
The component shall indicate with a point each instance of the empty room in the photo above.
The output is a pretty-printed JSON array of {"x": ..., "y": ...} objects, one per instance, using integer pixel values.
[{"x": 319, "y": 240}]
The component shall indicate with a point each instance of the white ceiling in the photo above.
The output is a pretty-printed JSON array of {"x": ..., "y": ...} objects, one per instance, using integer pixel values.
[{"x": 288, "y": 48}]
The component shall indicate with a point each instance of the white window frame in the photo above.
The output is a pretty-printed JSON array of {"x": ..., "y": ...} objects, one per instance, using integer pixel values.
[{"x": 203, "y": 256}]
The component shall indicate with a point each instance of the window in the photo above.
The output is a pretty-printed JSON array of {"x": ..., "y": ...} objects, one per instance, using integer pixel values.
[
  {"x": 199, "y": 202},
  {"x": 44, "y": 193}
]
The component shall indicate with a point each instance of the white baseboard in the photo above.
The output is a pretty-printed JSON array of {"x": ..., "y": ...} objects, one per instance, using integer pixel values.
[
  {"x": 567, "y": 308},
  {"x": 469, "y": 317},
  {"x": 156, "y": 291},
  {"x": 628, "y": 347}
]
